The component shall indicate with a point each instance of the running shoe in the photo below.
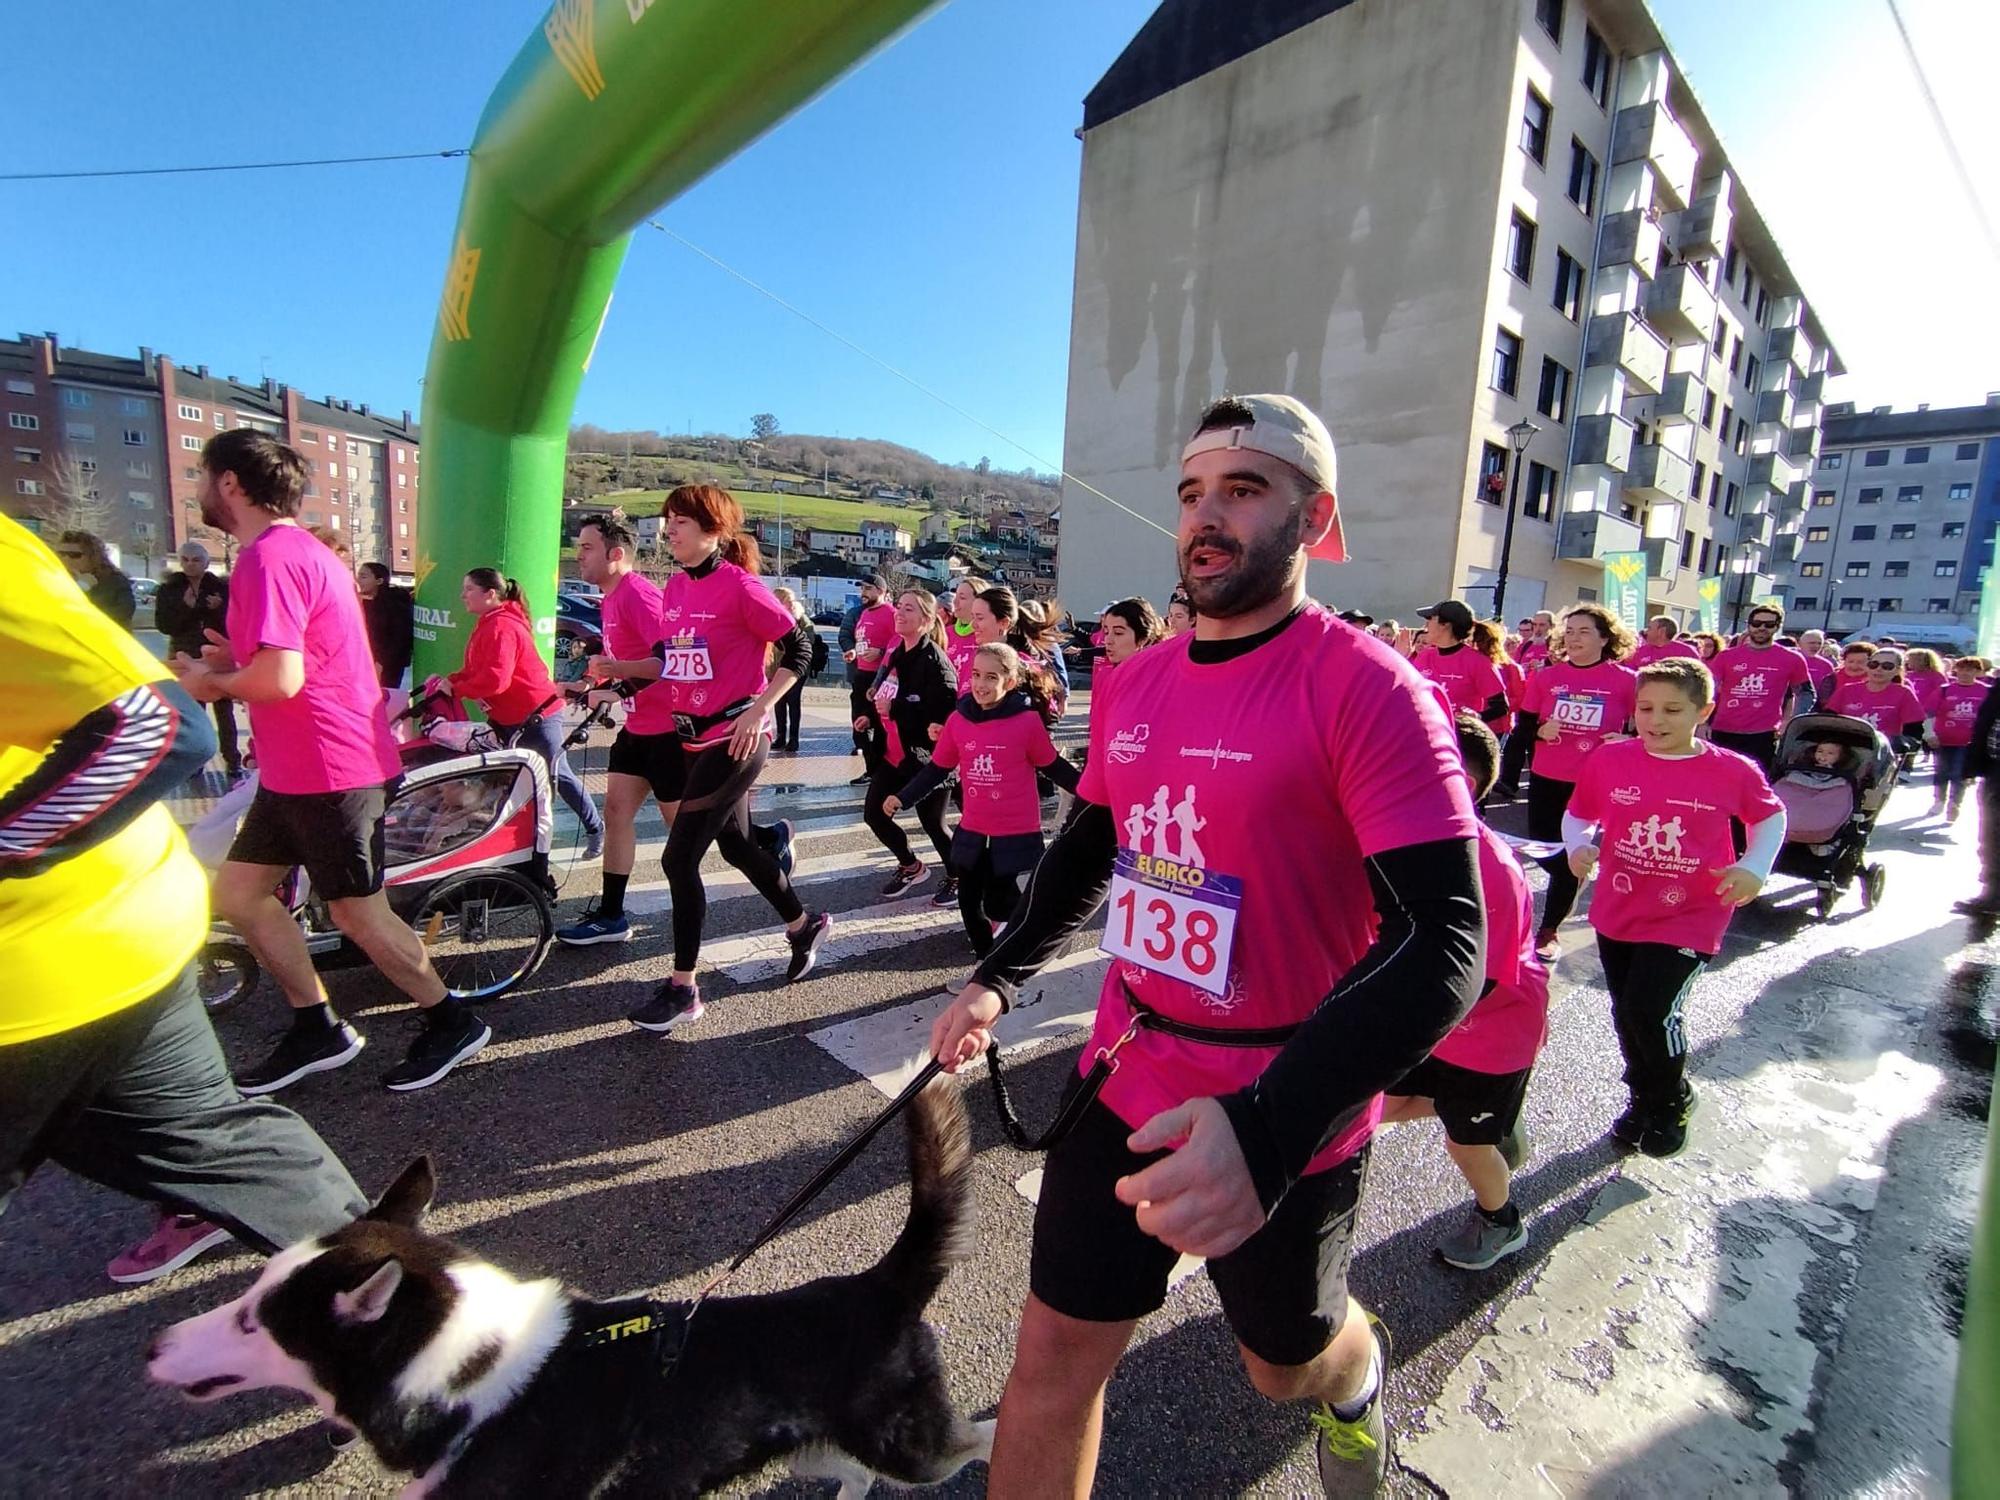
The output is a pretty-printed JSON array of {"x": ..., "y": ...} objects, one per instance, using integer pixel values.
[
  {"x": 947, "y": 894},
  {"x": 595, "y": 928},
  {"x": 1354, "y": 1455},
  {"x": 438, "y": 1048},
  {"x": 781, "y": 845},
  {"x": 805, "y": 945},
  {"x": 175, "y": 1240},
  {"x": 1628, "y": 1127},
  {"x": 309, "y": 1045},
  {"x": 1548, "y": 947},
  {"x": 1978, "y": 906},
  {"x": 673, "y": 1003},
  {"x": 1480, "y": 1242},
  {"x": 1667, "y": 1135},
  {"x": 593, "y": 844},
  {"x": 863, "y": 779},
  {"x": 905, "y": 877}
]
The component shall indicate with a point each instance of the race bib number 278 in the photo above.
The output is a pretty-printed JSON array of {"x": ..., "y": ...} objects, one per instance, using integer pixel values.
[
  {"x": 686, "y": 660},
  {"x": 1173, "y": 919}
]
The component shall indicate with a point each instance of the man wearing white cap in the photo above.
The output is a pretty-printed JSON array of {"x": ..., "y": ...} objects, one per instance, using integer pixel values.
[
  {"x": 188, "y": 608},
  {"x": 1254, "y": 1014}
]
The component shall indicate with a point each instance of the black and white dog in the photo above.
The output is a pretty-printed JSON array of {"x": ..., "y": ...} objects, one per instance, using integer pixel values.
[{"x": 479, "y": 1384}]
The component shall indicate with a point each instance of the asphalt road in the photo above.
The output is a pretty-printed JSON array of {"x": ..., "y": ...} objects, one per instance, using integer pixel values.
[{"x": 623, "y": 1161}]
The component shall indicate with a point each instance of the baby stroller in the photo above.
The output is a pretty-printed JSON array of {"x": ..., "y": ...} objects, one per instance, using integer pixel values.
[
  {"x": 1833, "y": 775},
  {"x": 466, "y": 856}
]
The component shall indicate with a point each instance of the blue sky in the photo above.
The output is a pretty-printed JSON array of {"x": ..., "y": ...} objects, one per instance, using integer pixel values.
[{"x": 926, "y": 206}]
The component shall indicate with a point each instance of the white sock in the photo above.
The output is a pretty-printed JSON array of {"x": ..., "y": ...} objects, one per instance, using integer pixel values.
[{"x": 1353, "y": 1410}]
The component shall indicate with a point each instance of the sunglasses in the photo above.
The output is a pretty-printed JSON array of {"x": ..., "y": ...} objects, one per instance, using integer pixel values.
[
  {"x": 1888, "y": 665},
  {"x": 1763, "y": 624}
]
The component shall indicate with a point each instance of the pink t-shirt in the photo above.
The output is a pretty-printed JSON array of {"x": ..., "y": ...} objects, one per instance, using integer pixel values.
[
  {"x": 1665, "y": 833},
  {"x": 631, "y": 625},
  {"x": 1468, "y": 678},
  {"x": 1247, "y": 793},
  {"x": 1955, "y": 706},
  {"x": 1504, "y": 1032},
  {"x": 1750, "y": 687},
  {"x": 1586, "y": 704},
  {"x": 996, "y": 760},
  {"x": 874, "y": 633},
  {"x": 290, "y": 592},
  {"x": 1888, "y": 709},
  {"x": 958, "y": 651},
  {"x": 1821, "y": 669},
  {"x": 715, "y": 629},
  {"x": 1924, "y": 684},
  {"x": 1533, "y": 653},
  {"x": 1646, "y": 653}
]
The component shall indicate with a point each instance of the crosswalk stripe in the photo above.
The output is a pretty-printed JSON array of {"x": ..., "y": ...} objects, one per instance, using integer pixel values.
[{"x": 643, "y": 898}]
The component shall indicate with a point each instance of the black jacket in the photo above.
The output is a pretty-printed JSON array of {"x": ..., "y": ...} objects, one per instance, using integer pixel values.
[
  {"x": 391, "y": 617},
  {"x": 1982, "y": 756},
  {"x": 111, "y": 591},
  {"x": 926, "y": 691},
  {"x": 183, "y": 623}
]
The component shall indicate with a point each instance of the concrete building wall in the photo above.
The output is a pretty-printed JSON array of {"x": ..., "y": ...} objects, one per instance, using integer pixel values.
[{"x": 1290, "y": 223}]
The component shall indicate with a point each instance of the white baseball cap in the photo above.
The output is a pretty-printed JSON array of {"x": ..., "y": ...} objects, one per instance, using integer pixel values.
[{"x": 1284, "y": 428}]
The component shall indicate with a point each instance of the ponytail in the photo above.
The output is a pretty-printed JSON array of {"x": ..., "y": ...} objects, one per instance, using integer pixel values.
[
  {"x": 492, "y": 580},
  {"x": 1029, "y": 675},
  {"x": 717, "y": 513}
]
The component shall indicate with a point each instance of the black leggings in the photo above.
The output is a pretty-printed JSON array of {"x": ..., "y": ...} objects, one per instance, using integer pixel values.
[
  {"x": 1650, "y": 984},
  {"x": 885, "y": 781},
  {"x": 1520, "y": 740},
  {"x": 1547, "y": 801},
  {"x": 715, "y": 809},
  {"x": 985, "y": 898},
  {"x": 788, "y": 712}
]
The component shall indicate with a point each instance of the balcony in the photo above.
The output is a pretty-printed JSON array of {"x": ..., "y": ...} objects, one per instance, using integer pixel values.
[
  {"x": 1702, "y": 232},
  {"x": 1797, "y": 499},
  {"x": 1631, "y": 238},
  {"x": 1588, "y": 535},
  {"x": 1650, "y": 133},
  {"x": 1775, "y": 408},
  {"x": 1813, "y": 388},
  {"x": 1785, "y": 550},
  {"x": 1622, "y": 340},
  {"x": 1775, "y": 469},
  {"x": 1759, "y": 500},
  {"x": 1680, "y": 305},
  {"x": 1657, "y": 474},
  {"x": 1790, "y": 346},
  {"x": 1605, "y": 441},
  {"x": 1801, "y": 445},
  {"x": 1756, "y": 530},
  {"x": 1679, "y": 399},
  {"x": 1663, "y": 558}
]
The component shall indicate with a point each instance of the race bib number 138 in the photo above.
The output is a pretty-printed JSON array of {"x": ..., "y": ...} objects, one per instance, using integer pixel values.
[{"x": 1173, "y": 919}]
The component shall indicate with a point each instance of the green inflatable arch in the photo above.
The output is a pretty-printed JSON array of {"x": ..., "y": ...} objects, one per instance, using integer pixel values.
[{"x": 609, "y": 110}]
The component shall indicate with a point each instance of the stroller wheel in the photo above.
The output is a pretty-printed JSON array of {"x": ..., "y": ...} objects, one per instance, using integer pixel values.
[
  {"x": 1827, "y": 896},
  {"x": 1873, "y": 879},
  {"x": 485, "y": 930},
  {"x": 224, "y": 974}
]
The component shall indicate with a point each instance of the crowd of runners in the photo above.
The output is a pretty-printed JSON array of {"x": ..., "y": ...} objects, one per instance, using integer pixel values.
[{"x": 1254, "y": 1029}]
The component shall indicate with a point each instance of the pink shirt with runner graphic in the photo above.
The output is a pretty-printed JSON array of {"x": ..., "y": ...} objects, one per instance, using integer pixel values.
[
  {"x": 1469, "y": 679},
  {"x": 1666, "y": 833},
  {"x": 289, "y": 591},
  {"x": 1586, "y": 704},
  {"x": 1889, "y": 709},
  {"x": 1646, "y": 652},
  {"x": 1955, "y": 707},
  {"x": 1247, "y": 793},
  {"x": 715, "y": 629},
  {"x": 1504, "y": 1031},
  {"x": 1750, "y": 687},
  {"x": 996, "y": 760},
  {"x": 631, "y": 625}
]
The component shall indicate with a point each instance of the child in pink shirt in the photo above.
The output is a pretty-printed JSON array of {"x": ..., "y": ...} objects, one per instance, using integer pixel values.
[
  {"x": 996, "y": 740},
  {"x": 1670, "y": 880},
  {"x": 1953, "y": 709}
]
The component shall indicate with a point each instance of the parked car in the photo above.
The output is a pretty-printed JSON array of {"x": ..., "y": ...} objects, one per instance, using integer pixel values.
[
  {"x": 578, "y": 588},
  {"x": 578, "y": 618},
  {"x": 145, "y": 593}
]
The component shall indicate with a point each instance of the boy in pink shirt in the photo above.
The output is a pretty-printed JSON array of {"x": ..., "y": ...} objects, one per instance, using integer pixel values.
[
  {"x": 1953, "y": 710},
  {"x": 1670, "y": 878},
  {"x": 1477, "y": 1078}
]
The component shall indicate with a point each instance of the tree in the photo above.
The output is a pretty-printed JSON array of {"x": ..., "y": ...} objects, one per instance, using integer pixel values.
[
  {"x": 984, "y": 467},
  {"x": 763, "y": 426}
]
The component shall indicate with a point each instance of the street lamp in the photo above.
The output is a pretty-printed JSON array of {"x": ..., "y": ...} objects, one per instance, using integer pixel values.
[{"x": 1519, "y": 436}]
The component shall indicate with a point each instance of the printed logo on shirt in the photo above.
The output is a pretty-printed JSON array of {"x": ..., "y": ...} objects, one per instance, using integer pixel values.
[
  {"x": 1127, "y": 745},
  {"x": 1626, "y": 796},
  {"x": 1752, "y": 685},
  {"x": 1172, "y": 828},
  {"x": 1214, "y": 754},
  {"x": 981, "y": 766},
  {"x": 1653, "y": 847}
]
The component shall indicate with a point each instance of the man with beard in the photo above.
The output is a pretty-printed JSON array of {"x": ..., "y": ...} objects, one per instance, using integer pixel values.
[{"x": 1254, "y": 1018}]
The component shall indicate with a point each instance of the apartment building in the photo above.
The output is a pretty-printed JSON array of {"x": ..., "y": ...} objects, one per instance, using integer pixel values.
[
  {"x": 1434, "y": 222},
  {"x": 113, "y": 444},
  {"x": 1898, "y": 533}
]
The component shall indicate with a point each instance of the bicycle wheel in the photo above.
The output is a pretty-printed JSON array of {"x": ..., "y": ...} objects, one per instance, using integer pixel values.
[
  {"x": 485, "y": 931},
  {"x": 224, "y": 973}
]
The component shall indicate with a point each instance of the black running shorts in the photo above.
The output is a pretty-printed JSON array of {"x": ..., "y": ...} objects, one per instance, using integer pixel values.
[
  {"x": 1476, "y": 1109},
  {"x": 656, "y": 759},
  {"x": 1283, "y": 1290},
  {"x": 336, "y": 836}
]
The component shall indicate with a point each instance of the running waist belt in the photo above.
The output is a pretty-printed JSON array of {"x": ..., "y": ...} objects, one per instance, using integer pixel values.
[
  {"x": 1083, "y": 1093},
  {"x": 694, "y": 726}
]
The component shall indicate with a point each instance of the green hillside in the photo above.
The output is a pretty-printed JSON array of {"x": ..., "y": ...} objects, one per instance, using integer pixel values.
[{"x": 829, "y": 512}]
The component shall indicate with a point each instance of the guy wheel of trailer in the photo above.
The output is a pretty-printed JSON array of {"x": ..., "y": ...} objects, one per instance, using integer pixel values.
[
  {"x": 224, "y": 974},
  {"x": 486, "y": 931}
]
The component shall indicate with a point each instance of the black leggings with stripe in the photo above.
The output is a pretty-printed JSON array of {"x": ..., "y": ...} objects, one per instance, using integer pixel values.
[{"x": 1650, "y": 984}]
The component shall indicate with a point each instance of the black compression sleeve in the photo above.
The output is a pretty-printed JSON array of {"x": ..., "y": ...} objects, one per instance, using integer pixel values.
[
  {"x": 1064, "y": 772},
  {"x": 1419, "y": 977},
  {"x": 795, "y": 653},
  {"x": 1495, "y": 709},
  {"x": 110, "y": 766},
  {"x": 1064, "y": 892},
  {"x": 921, "y": 785}
]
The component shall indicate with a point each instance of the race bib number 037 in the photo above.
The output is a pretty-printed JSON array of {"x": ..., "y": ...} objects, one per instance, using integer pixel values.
[
  {"x": 1174, "y": 919},
  {"x": 1580, "y": 713},
  {"x": 686, "y": 660}
]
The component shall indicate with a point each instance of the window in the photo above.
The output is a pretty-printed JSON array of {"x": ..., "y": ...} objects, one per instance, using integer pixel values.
[
  {"x": 1582, "y": 176},
  {"x": 1967, "y": 450},
  {"x": 86, "y": 466},
  {"x": 402, "y": 528},
  {"x": 1752, "y": 367},
  {"x": 1945, "y": 568},
  {"x": 1917, "y": 455},
  {"x": 1708, "y": 411},
  {"x": 352, "y": 447},
  {"x": 80, "y": 432},
  {"x": 1903, "y": 531},
  {"x": 1535, "y": 117},
  {"x": 1818, "y": 533},
  {"x": 1705, "y": 545},
  {"x": 1862, "y": 534},
  {"x": 1492, "y": 474},
  {"x": 1850, "y": 601},
  {"x": 1829, "y": 460},
  {"x": 402, "y": 507},
  {"x": 1596, "y": 66},
  {"x": 1687, "y": 548},
  {"x": 1700, "y": 478},
  {"x": 308, "y": 436},
  {"x": 1857, "y": 570},
  {"x": 27, "y": 486},
  {"x": 1958, "y": 492},
  {"x": 1895, "y": 570},
  {"x": 1539, "y": 503},
  {"x": 1875, "y": 458},
  {"x": 1938, "y": 607},
  {"x": 1521, "y": 246},
  {"x": 1715, "y": 489},
  {"x": 190, "y": 442},
  {"x": 333, "y": 468},
  {"x": 1806, "y": 602},
  {"x": 21, "y": 387},
  {"x": 190, "y": 412},
  {"x": 1553, "y": 398},
  {"x": 1506, "y": 362},
  {"x": 1721, "y": 335},
  {"x": 1568, "y": 299},
  {"x": 22, "y": 421},
  {"x": 1742, "y": 435},
  {"x": 1550, "y": 14},
  {"x": 1728, "y": 416},
  {"x": 1729, "y": 500},
  {"x": 192, "y": 471},
  {"x": 1889, "y": 603},
  {"x": 1822, "y": 498},
  {"x": 131, "y": 406},
  {"x": 74, "y": 397},
  {"x": 1735, "y": 356},
  {"x": 1869, "y": 497},
  {"x": 399, "y": 455},
  {"x": 1763, "y": 307},
  {"x": 1812, "y": 570},
  {"x": 401, "y": 478},
  {"x": 1749, "y": 284},
  {"x": 138, "y": 468},
  {"x": 352, "y": 474},
  {"x": 140, "y": 499},
  {"x": 221, "y": 421},
  {"x": 135, "y": 437},
  {"x": 27, "y": 455},
  {"x": 1909, "y": 494}
]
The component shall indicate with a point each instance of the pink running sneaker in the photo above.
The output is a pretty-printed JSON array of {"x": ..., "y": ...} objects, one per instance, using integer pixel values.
[{"x": 175, "y": 1240}]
